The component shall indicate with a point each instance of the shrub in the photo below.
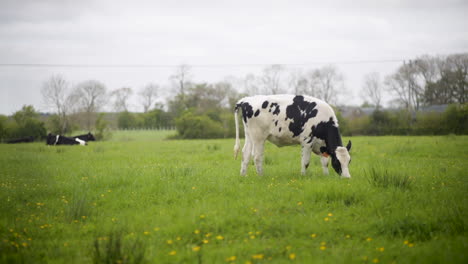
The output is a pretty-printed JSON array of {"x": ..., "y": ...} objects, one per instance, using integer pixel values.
[{"x": 191, "y": 126}]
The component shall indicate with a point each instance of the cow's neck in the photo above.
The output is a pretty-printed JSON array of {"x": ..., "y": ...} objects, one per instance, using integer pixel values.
[{"x": 333, "y": 139}]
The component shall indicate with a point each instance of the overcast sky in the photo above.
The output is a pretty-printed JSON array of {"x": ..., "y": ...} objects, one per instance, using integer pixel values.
[{"x": 234, "y": 34}]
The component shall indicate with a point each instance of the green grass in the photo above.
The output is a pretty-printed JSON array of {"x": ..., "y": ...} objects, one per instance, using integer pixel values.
[{"x": 140, "y": 198}]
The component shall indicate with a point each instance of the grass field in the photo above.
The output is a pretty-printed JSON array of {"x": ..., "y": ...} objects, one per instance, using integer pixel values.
[{"x": 140, "y": 198}]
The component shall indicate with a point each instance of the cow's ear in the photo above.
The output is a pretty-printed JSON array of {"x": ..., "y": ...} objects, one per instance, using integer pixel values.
[{"x": 349, "y": 145}]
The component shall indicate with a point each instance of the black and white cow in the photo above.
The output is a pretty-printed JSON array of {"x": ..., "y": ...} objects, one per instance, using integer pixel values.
[
  {"x": 61, "y": 140},
  {"x": 21, "y": 140},
  {"x": 288, "y": 120},
  {"x": 86, "y": 137}
]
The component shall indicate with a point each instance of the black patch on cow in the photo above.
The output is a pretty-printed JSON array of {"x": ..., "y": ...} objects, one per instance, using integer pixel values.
[
  {"x": 307, "y": 165},
  {"x": 276, "y": 123},
  {"x": 275, "y": 108},
  {"x": 279, "y": 129},
  {"x": 328, "y": 132},
  {"x": 247, "y": 110},
  {"x": 257, "y": 112},
  {"x": 265, "y": 104},
  {"x": 300, "y": 112}
]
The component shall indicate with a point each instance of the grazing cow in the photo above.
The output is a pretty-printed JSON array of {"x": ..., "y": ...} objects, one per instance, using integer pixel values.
[
  {"x": 288, "y": 120},
  {"x": 21, "y": 140},
  {"x": 86, "y": 137},
  {"x": 61, "y": 140}
]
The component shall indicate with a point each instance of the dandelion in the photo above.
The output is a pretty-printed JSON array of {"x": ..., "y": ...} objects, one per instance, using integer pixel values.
[
  {"x": 196, "y": 248},
  {"x": 252, "y": 237},
  {"x": 231, "y": 258},
  {"x": 323, "y": 247},
  {"x": 292, "y": 256},
  {"x": 381, "y": 249},
  {"x": 330, "y": 214},
  {"x": 326, "y": 219},
  {"x": 169, "y": 242},
  {"x": 178, "y": 238},
  {"x": 196, "y": 232},
  {"x": 24, "y": 244},
  {"x": 65, "y": 244},
  {"x": 83, "y": 216},
  {"x": 193, "y": 188},
  {"x": 219, "y": 237},
  {"x": 376, "y": 260},
  {"x": 369, "y": 239},
  {"x": 205, "y": 241},
  {"x": 146, "y": 233},
  {"x": 299, "y": 203},
  {"x": 156, "y": 229},
  {"x": 258, "y": 256},
  {"x": 313, "y": 235},
  {"x": 202, "y": 216},
  {"x": 411, "y": 245},
  {"x": 348, "y": 236},
  {"x": 208, "y": 234},
  {"x": 172, "y": 253}
]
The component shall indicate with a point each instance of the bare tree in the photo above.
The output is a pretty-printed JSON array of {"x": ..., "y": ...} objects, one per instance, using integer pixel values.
[
  {"x": 372, "y": 88},
  {"x": 325, "y": 83},
  {"x": 148, "y": 96},
  {"x": 54, "y": 94},
  {"x": 404, "y": 84},
  {"x": 271, "y": 79},
  {"x": 251, "y": 86},
  {"x": 91, "y": 96},
  {"x": 120, "y": 99},
  {"x": 298, "y": 82},
  {"x": 181, "y": 77}
]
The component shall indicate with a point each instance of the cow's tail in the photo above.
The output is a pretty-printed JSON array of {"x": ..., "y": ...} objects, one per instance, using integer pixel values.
[{"x": 237, "y": 145}]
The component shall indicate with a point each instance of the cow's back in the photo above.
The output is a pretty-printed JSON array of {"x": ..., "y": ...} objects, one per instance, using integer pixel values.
[{"x": 283, "y": 119}]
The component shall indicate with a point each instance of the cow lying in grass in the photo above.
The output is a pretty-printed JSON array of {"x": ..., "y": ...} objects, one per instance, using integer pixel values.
[
  {"x": 62, "y": 140},
  {"x": 288, "y": 120}
]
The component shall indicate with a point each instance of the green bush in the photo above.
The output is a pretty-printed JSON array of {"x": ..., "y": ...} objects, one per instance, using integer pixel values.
[
  {"x": 190, "y": 126},
  {"x": 456, "y": 119}
]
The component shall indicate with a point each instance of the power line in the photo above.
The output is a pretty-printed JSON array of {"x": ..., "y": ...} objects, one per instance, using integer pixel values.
[{"x": 73, "y": 65}]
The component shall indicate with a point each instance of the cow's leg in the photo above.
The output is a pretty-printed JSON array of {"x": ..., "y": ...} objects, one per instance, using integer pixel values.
[
  {"x": 306, "y": 150},
  {"x": 259, "y": 146},
  {"x": 324, "y": 161},
  {"x": 246, "y": 152}
]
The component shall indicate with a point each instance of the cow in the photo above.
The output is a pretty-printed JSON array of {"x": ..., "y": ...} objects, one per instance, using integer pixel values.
[
  {"x": 21, "y": 140},
  {"x": 86, "y": 137},
  {"x": 61, "y": 140},
  {"x": 289, "y": 120}
]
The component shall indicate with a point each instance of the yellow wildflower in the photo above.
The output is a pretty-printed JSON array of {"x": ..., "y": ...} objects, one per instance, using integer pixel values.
[
  {"x": 196, "y": 231},
  {"x": 292, "y": 256},
  {"x": 258, "y": 256},
  {"x": 376, "y": 260},
  {"x": 323, "y": 247},
  {"x": 196, "y": 248},
  {"x": 313, "y": 235},
  {"x": 326, "y": 219},
  {"x": 172, "y": 253},
  {"x": 330, "y": 214},
  {"x": 231, "y": 258},
  {"x": 170, "y": 242},
  {"x": 219, "y": 237}
]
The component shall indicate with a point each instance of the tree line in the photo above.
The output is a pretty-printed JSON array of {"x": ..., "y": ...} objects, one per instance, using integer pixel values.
[{"x": 204, "y": 110}]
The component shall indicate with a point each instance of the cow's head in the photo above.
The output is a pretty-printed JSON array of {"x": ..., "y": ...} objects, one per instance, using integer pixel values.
[
  {"x": 50, "y": 139},
  {"x": 91, "y": 137},
  {"x": 340, "y": 160}
]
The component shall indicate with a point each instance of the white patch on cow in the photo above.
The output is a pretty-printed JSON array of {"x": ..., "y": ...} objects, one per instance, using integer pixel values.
[
  {"x": 324, "y": 161},
  {"x": 343, "y": 157},
  {"x": 56, "y": 139},
  {"x": 82, "y": 142}
]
